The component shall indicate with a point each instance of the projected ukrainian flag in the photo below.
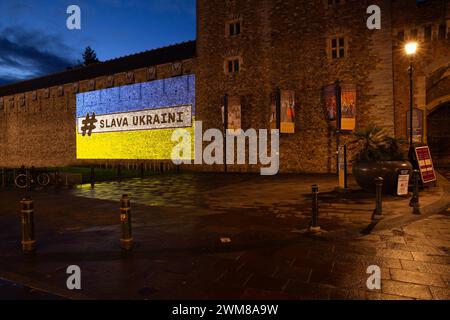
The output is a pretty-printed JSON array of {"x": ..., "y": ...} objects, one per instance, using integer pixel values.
[{"x": 135, "y": 121}]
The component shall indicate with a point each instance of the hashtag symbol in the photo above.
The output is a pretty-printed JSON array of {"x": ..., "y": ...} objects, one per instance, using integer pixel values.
[{"x": 88, "y": 125}]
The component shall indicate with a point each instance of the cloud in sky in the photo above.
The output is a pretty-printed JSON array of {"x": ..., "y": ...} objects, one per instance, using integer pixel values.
[
  {"x": 25, "y": 54},
  {"x": 34, "y": 39}
]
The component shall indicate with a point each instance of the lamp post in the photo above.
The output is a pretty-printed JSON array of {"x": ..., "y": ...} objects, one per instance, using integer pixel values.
[{"x": 411, "y": 49}]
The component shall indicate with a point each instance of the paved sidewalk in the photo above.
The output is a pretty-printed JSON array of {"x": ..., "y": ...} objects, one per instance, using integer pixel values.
[{"x": 178, "y": 224}]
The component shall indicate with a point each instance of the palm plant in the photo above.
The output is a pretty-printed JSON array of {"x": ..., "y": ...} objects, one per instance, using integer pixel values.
[{"x": 373, "y": 144}]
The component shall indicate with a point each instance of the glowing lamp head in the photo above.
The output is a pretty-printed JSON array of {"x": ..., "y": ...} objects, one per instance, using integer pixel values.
[{"x": 411, "y": 48}]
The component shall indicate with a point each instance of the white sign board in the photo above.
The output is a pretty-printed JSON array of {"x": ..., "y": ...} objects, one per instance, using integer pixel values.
[
  {"x": 171, "y": 117},
  {"x": 403, "y": 183}
]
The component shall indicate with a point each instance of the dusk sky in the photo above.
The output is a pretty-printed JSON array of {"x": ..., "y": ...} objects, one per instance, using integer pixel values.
[{"x": 35, "y": 41}]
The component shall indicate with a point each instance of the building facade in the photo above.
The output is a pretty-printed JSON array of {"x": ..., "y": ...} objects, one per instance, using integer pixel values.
[{"x": 251, "y": 50}]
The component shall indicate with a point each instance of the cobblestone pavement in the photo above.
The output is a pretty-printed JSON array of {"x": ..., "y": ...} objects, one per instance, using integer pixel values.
[{"x": 179, "y": 253}]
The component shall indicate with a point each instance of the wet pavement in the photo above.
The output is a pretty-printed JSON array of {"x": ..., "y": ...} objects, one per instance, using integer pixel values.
[
  {"x": 14, "y": 291},
  {"x": 178, "y": 224}
]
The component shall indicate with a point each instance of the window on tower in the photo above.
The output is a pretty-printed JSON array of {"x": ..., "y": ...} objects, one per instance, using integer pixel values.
[
  {"x": 338, "y": 48},
  {"x": 233, "y": 65},
  {"x": 233, "y": 28}
]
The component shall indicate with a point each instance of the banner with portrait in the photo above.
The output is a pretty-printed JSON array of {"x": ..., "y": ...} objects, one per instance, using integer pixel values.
[
  {"x": 348, "y": 107},
  {"x": 234, "y": 113},
  {"x": 341, "y": 112},
  {"x": 330, "y": 102},
  {"x": 287, "y": 112}
]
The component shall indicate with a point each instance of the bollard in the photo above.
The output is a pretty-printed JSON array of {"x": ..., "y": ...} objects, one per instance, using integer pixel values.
[
  {"x": 125, "y": 220},
  {"x": 315, "y": 210},
  {"x": 27, "y": 218},
  {"x": 92, "y": 177},
  {"x": 378, "y": 212},
  {"x": 415, "y": 198}
]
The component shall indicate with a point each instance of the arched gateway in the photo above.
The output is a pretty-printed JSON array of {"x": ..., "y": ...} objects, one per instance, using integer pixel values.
[{"x": 438, "y": 118}]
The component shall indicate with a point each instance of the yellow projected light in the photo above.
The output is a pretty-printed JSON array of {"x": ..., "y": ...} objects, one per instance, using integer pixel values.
[
  {"x": 137, "y": 122},
  {"x": 148, "y": 144}
]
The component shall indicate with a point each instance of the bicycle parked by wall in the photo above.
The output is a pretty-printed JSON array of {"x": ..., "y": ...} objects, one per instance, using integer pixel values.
[{"x": 31, "y": 177}]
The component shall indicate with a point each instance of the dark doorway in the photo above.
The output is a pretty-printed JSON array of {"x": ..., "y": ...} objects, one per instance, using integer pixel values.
[{"x": 439, "y": 137}]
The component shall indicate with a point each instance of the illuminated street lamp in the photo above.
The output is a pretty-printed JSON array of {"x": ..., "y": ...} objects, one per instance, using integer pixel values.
[{"x": 411, "y": 49}]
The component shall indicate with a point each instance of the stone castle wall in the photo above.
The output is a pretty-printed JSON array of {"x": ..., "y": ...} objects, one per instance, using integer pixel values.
[
  {"x": 283, "y": 44},
  {"x": 38, "y": 128}
]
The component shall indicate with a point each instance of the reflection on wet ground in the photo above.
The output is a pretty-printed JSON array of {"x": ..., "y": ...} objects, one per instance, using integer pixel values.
[
  {"x": 218, "y": 191},
  {"x": 225, "y": 192},
  {"x": 180, "y": 254},
  {"x": 177, "y": 190},
  {"x": 286, "y": 197}
]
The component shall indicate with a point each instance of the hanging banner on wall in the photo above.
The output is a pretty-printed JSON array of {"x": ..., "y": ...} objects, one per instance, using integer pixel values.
[
  {"x": 234, "y": 113},
  {"x": 286, "y": 100},
  {"x": 287, "y": 111},
  {"x": 330, "y": 102},
  {"x": 418, "y": 131},
  {"x": 341, "y": 111},
  {"x": 348, "y": 107},
  {"x": 426, "y": 167}
]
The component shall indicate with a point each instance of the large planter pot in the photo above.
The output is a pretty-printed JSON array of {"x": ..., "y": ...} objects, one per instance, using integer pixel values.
[{"x": 365, "y": 173}]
